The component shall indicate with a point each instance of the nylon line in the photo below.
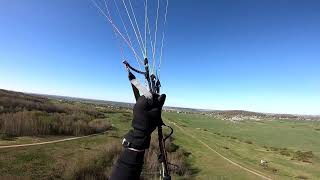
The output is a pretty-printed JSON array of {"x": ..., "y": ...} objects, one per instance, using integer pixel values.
[
  {"x": 117, "y": 30},
  {"x": 145, "y": 26},
  {"x": 155, "y": 38},
  {"x": 115, "y": 33},
  {"x": 125, "y": 6},
  {"x": 163, "y": 34},
  {"x": 149, "y": 32},
  {"x": 134, "y": 17},
  {"x": 126, "y": 31}
]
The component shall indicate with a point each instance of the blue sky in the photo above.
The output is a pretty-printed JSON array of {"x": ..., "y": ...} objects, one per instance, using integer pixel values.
[{"x": 253, "y": 55}]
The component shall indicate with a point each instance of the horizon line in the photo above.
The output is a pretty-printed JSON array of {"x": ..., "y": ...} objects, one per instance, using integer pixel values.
[{"x": 170, "y": 106}]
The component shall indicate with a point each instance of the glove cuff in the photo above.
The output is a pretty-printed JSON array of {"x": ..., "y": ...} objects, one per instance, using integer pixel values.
[{"x": 138, "y": 139}]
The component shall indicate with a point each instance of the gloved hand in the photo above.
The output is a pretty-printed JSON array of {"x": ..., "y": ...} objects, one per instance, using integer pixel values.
[{"x": 146, "y": 118}]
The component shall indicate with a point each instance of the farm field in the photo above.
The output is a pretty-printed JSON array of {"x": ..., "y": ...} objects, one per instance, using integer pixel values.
[
  {"x": 67, "y": 160},
  {"x": 203, "y": 146},
  {"x": 88, "y": 155},
  {"x": 59, "y": 160},
  {"x": 292, "y": 148}
]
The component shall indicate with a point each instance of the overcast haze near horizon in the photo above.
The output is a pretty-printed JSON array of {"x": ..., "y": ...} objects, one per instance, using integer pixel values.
[{"x": 251, "y": 55}]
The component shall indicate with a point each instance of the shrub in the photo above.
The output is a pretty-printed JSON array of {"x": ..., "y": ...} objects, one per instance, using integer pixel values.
[
  {"x": 33, "y": 123},
  {"x": 301, "y": 177},
  {"x": 274, "y": 149},
  {"x": 7, "y": 137},
  {"x": 14, "y": 102},
  {"x": 23, "y": 115},
  {"x": 274, "y": 170},
  {"x": 303, "y": 156},
  {"x": 177, "y": 157},
  {"x": 248, "y": 142},
  {"x": 99, "y": 125},
  {"x": 97, "y": 166},
  {"x": 125, "y": 117},
  {"x": 285, "y": 152}
]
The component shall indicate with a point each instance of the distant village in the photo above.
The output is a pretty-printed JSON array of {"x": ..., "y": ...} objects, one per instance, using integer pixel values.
[
  {"x": 228, "y": 115},
  {"x": 239, "y": 115}
]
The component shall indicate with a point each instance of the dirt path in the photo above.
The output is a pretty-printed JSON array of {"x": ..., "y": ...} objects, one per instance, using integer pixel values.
[
  {"x": 255, "y": 172},
  {"x": 49, "y": 142}
]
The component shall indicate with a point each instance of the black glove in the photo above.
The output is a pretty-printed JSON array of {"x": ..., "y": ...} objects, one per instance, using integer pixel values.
[{"x": 146, "y": 118}]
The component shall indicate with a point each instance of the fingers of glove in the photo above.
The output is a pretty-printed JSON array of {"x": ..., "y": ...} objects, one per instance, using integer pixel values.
[
  {"x": 144, "y": 104},
  {"x": 158, "y": 101},
  {"x": 162, "y": 99},
  {"x": 141, "y": 103}
]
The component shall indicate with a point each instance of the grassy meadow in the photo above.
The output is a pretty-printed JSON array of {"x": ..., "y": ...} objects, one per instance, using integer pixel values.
[
  {"x": 28, "y": 119},
  {"x": 292, "y": 148},
  {"x": 203, "y": 146}
]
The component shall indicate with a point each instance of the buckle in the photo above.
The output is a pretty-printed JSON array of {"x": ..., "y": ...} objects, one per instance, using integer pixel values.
[{"x": 125, "y": 143}]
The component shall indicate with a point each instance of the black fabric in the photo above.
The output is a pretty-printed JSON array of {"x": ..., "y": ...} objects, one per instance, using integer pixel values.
[
  {"x": 147, "y": 113},
  {"x": 128, "y": 166},
  {"x": 138, "y": 139},
  {"x": 146, "y": 117}
]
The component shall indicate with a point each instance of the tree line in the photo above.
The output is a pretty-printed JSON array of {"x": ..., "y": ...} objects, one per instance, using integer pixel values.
[{"x": 26, "y": 115}]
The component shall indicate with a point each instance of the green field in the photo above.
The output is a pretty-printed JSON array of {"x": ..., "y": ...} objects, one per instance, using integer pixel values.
[
  {"x": 246, "y": 143},
  {"x": 67, "y": 160},
  {"x": 53, "y": 161},
  {"x": 203, "y": 146}
]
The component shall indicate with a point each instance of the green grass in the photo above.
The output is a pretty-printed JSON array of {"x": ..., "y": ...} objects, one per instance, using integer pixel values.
[
  {"x": 54, "y": 161},
  {"x": 75, "y": 159},
  {"x": 292, "y": 147},
  {"x": 247, "y": 142},
  {"x": 48, "y": 161}
]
